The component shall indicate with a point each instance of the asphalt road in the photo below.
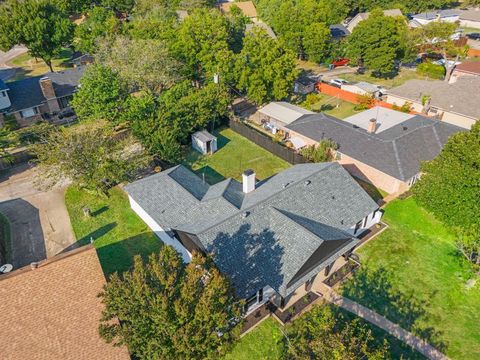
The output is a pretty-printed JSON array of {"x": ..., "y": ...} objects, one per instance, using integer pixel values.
[{"x": 6, "y": 71}]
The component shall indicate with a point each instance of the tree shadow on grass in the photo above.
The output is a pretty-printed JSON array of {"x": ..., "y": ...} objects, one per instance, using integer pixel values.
[
  {"x": 374, "y": 289},
  {"x": 210, "y": 175},
  {"x": 118, "y": 256},
  {"x": 100, "y": 211}
]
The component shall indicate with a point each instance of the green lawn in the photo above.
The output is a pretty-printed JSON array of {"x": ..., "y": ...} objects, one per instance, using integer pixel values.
[
  {"x": 118, "y": 233},
  {"x": 412, "y": 275},
  {"x": 235, "y": 154},
  {"x": 402, "y": 77},
  {"x": 333, "y": 106},
  {"x": 27, "y": 66}
]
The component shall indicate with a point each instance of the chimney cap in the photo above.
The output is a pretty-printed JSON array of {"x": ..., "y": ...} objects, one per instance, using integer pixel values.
[
  {"x": 248, "y": 172},
  {"x": 373, "y": 120}
]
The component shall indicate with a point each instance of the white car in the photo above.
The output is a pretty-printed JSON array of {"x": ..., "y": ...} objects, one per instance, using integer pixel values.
[
  {"x": 450, "y": 63},
  {"x": 338, "y": 82}
]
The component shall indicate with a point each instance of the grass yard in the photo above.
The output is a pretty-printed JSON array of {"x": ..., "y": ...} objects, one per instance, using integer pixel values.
[
  {"x": 26, "y": 66},
  {"x": 333, "y": 106},
  {"x": 412, "y": 275},
  {"x": 403, "y": 76},
  {"x": 235, "y": 154},
  {"x": 118, "y": 233}
]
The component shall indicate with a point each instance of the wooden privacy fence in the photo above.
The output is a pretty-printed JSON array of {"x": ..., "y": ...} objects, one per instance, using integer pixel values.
[{"x": 287, "y": 154}]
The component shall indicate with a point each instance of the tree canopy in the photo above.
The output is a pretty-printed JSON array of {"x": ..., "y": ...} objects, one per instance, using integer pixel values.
[
  {"x": 450, "y": 185},
  {"x": 169, "y": 310},
  {"x": 378, "y": 41},
  {"x": 38, "y": 24}
]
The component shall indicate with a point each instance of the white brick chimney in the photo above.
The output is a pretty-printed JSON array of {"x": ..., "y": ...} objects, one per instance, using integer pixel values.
[
  {"x": 248, "y": 181},
  {"x": 372, "y": 126}
]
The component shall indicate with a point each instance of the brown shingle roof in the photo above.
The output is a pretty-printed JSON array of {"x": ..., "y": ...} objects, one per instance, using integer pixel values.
[
  {"x": 471, "y": 67},
  {"x": 53, "y": 312},
  {"x": 247, "y": 7}
]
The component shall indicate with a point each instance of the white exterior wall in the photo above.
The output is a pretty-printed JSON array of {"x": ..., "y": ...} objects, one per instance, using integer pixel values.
[
  {"x": 4, "y": 100},
  {"x": 354, "y": 89},
  {"x": 157, "y": 229},
  {"x": 198, "y": 145},
  {"x": 371, "y": 220}
]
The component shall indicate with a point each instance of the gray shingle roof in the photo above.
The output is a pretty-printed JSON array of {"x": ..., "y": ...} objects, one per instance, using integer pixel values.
[
  {"x": 338, "y": 31},
  {"x": 397, "y": 151},
  {"x": 432, "y": 15},
  {"x": 204, "y": 136},
  {"x": 460, "y": 97},
  {"x": 2, "y": 85},
  {"x": 27, "y": 93},
  {"x": 264, "y": 237}
]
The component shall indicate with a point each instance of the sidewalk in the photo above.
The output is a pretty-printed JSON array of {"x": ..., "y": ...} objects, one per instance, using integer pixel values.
[{"x": 408, "y": 338}]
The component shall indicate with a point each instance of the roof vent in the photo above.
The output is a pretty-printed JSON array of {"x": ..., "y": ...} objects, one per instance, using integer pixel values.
[
  {"x": 307, "y": 182},
  {"x": 405, "y": 128},
  {"x": 333, "y": 197},
  {"x": 245, "y": 214}
]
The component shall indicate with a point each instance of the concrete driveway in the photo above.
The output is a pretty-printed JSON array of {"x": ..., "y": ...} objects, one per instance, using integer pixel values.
[
  {"x": 6, "y": 71},
  {"x": 40, "y": 225}
]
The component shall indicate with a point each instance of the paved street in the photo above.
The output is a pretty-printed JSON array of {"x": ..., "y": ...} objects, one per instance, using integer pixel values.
[
  {"x": 6, "y": 71},
  {"x": 40, "y": 225}
]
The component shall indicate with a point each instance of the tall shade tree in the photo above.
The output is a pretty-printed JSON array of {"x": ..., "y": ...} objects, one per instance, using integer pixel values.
[
  {"x": 119, "y": 5},
  {"x": 378, "y": 42},
  {"x": 450, "y": 185},
  {"x": 202, "y": 43},
  {"x": 142, "y": 64},
  {"x": 169, "y": 310},
  {"x": 266, "y": 71},
  {"x": 38, "y": 24},
  {"x": 89, "y": 155},
  {"x": 317, "y": 42},
  {"x": 100, "y": 95},
  {"x": 322, "y": 334},
  {"x": 100, "y": 22}
]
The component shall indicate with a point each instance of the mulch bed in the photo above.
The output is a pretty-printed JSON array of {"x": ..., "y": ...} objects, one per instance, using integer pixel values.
[
  {"x": 341, "y": 273},
  {"x": 296, "y": 308},
  {"x": 258, "y": 315}
]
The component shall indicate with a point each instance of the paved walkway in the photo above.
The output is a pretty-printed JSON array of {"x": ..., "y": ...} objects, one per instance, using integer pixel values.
[{"x": 408, "y": 338}]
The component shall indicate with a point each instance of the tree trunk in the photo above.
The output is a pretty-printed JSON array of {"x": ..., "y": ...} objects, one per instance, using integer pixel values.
[{"x": 49, "y": 64}]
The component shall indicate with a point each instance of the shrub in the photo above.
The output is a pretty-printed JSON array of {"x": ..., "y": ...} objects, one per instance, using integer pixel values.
[
  {"x": 431, "y": 70},
  {"x": 321, "y": 152},
  {"x": 365, "y": 102}
]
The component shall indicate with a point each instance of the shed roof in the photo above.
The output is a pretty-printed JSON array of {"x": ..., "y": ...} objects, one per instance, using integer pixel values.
[
  {"x": 266, "y": 236},
  {"x": 471, "y": 67},
  {"x": 204, "y": 136},
  {"x": 455, "y": 97},
  {"x": 247, "y": 7},
  {"x": 283, "y": 111},
  {"x": 53, "y": 312},
  {"x": 396, "y": 151}
]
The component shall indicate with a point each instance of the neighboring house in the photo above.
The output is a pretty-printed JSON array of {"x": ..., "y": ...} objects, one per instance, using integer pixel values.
[
  {"x": 270, "y": 238},
  {"x": 304, "y": 85},
  {"x": 465, "y": 69},
  {"x": 280, "y": 113},
  {"x": 470, "y": 18},
  {"x": 44, "y": 97},
  {"x": 80, "y": 59},
  {"x": 451, "y": 103},
  {"x": 204, "y": 142},
  {"x": 53, "y": 311},
  {"x": 362, "y": 88},
  {"x": 381, "y": 146},
  {"x": 261, "y": 25},
  {"x": 247, "y": 7},
  {"x": 450, "y": 15},
  {"x": 338, "y": 31},
  {"x": 364, "y": 16}
]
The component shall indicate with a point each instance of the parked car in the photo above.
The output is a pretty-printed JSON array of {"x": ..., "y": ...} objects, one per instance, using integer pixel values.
[
  {"x": 340, "y": 62},
  {"x": 338, "y": 82},
  {"x": 474, "y": 36}
]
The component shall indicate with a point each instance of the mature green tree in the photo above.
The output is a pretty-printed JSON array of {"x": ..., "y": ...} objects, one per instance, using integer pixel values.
[
  {"x": 196, "y": 4},
  {"x": 378, "y": 42},
  {"x": 89, "y": 155},
  {"x": 100, "y": 95},
  {"x": 154, "y": 22},
  {"x": 406, "y": 5},
  {"x": 38, "y": 24},
  {"x": 202, "y": 43},
  {"x": 323, "y": 334},
  {"x": 73, "y": 6},
  {"x": 450, "y": 185},
  {"x": 119, "y": 5},
  {"x": 169, "y": 310},
  {"x": 317, "y": 42},
  {"x": 142, "y": 64},
  {"x": 468, "y": 245},
  {"x": 266, "y": 71},
  {"x": 100, "y": 22}
]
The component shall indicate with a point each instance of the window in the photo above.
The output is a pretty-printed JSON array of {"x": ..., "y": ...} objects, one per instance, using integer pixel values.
[
  {"x": 28, "y": 112},
  {"x": 260, "y": 295},
  {"x": 358, "y": 225}
]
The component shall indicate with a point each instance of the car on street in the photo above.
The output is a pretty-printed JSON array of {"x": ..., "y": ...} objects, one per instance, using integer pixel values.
[
  {"x": 340, "y": 62},
  {"x": 474, "y": 36},
  {"x": 338, "y": 82}
]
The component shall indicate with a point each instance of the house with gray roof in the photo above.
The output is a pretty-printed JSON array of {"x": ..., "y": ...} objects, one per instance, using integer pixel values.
[
  {"x": 41, "y": 97},
  {"x": 269, "y": 237},
  {"x": 455, "y": 103},
  {"x": 352, "y": 24},
  {"x": 380, "y": 146},
  {"x": 448, "y": 15}
]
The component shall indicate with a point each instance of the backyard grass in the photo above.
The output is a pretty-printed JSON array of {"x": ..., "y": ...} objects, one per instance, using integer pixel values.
[
  {"x": 235, "y": 154},
  {"x": 402, "y": 77},
  {"x": 334, "y": 106},
  {"x": 117, "y": 232},
  {"x": 27, "y": 66},
  {"x": 412, "y": 275}
]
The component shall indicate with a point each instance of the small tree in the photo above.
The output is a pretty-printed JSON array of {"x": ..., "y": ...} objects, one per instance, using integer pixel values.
[
  {"x": 322, "y": 152},
  {"x": 468, "y": 245},
  {"x": 38, "y": 24},
  {"x": 365, "y": 101},
  {"x": 101, "y": 94},
  {"x": 323, "y": 334},
  {"x": 91, "y": 156},
  {"x": 169, "y": 310}
]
